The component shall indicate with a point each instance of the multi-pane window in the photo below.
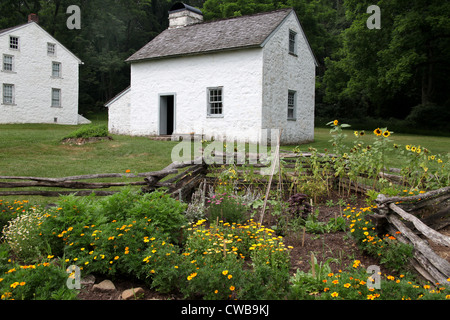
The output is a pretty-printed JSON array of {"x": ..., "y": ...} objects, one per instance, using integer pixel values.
[
  {"x": 292, "y": 42},
  {"x": 56, "y": 69},
  {"x": 215, "y": 101},
  {"x": 8, "y": 93},
  {"x": 291, "y": 110},
  {"x": 14, "y": 43},
  {"x": 51, "y": 49},
  {"x": 8, "y": 63},
  {"x": 56, "y": 98}
]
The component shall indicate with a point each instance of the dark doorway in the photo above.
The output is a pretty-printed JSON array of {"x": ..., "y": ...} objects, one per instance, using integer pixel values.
[{"x": 166, "y": 114}]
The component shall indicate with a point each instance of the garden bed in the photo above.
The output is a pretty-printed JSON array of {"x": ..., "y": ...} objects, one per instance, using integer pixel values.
[{"x": 336, "y": 249}]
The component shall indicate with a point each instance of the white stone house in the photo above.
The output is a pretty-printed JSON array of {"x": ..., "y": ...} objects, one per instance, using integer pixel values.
[
  {"x": 231, "y": 77},
  {"x": 39, "y": 80}
]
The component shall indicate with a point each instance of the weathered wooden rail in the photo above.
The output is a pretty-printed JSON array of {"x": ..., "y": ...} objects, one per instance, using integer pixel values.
[
  {"x": 401, "y": 214},
  {"x": 179, "y": 185}
]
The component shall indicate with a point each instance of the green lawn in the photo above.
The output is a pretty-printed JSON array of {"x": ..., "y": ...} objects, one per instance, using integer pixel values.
[{"x": 36, "y": 150}]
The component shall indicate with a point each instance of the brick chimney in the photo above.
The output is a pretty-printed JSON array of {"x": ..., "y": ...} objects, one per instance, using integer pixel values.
[
  {"x": 182, "y": 15},
  {"x": 33, "y": 18}
]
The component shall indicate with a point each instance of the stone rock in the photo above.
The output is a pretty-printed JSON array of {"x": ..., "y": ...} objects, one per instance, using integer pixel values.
[
  {"x": 133, "y": 293},
  {"x": 89, "y": 279},
  {"x": 105, "y": 285}
]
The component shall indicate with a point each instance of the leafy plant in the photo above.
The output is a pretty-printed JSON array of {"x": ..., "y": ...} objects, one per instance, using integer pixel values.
[
  {"x": 43, "y": 281},
  {"x": 89, "y": 131},
  {"x": 226, "y": 207},
  {"x": 23, "y": 235}
]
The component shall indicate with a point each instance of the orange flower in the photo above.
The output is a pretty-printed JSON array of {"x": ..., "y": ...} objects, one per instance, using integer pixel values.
[{"x": 128, "y": 171}]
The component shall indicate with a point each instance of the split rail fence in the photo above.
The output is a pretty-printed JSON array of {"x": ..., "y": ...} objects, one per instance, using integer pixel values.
[{"x": 403, "y": 214}]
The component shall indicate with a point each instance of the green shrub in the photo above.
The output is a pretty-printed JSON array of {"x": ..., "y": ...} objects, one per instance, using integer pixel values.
[
  {"x": 43, "y": 281},
  {"x": 9, "y": 211},
  {"x": 109, "y": 235},
  {"x": 89, "y": 131},
  {"x": 22, "y": 234}
]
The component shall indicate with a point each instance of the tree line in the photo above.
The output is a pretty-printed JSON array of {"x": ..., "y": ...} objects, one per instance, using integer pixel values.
[{"x": 399, "y": 71}]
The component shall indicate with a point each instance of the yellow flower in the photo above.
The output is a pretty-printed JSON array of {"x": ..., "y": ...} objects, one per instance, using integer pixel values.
[
  {"x": 377, "y": 132},
  {"x": 225, "y": 272},
  {"x": 116, "y": 257},
  {"x": 191, "y": 276},
  {"x": 230, "y": 276},
  {"x": 386, "y": 133},
  {"x": 49, "y": 256},
  {"x": 232, "y": 288},
  {"x": 335, "y": 294},
  {"x": 347, "y": 285}
]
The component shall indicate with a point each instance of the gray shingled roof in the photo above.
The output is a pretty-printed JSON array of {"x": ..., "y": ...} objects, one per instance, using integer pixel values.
[
  {"x": 227, "y": 34},
  {"x": 12, "y": 28}
]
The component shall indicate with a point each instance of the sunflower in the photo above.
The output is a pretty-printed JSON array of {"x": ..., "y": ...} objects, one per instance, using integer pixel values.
[
  {"x": 377, "y": 132},
  {"x": 408, "y": 147},
  {"x": 386, "y": 133},
  {"x": 362, "y": 133},
  {"x": 335, "y": 122}
]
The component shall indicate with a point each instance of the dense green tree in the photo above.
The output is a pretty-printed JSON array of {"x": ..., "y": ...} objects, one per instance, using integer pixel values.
[
  {"x": 385, "y": 72},
  {"x": 394, "y": 71}
]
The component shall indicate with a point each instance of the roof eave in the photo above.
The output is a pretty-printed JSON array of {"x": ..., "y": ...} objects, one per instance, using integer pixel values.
[{"x": 135, "y": 60}]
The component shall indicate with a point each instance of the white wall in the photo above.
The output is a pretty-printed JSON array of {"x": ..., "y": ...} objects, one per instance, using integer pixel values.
[
  {"x": 119, "y": 114},
  {"x": 238, "y": 72},
  {"x": 284, "y": 72},
  {"x": 33, "y": 80}
]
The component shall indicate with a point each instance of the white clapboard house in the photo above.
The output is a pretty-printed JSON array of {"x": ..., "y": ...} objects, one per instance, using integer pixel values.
[
  {"x": 38, "y": 77},
  {"x": 231, "y": 77}
]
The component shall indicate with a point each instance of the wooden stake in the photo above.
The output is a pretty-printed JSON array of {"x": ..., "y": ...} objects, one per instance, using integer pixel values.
[
  {"x": 303, "y": 237},
  {"x": 313, "y": 265},
  {"x": 277, "y": 155}
]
